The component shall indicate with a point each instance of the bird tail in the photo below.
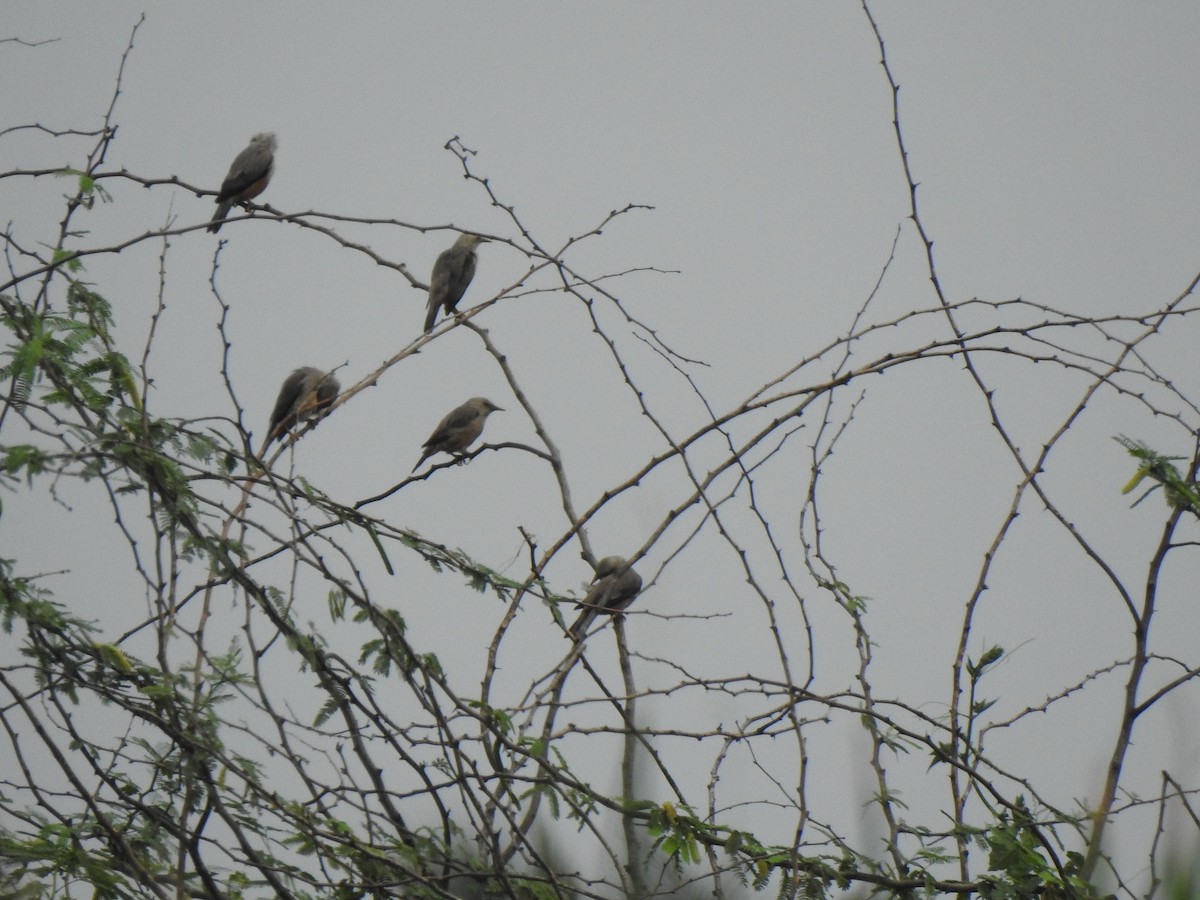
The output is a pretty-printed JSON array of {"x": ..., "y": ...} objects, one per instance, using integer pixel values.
[
  {"x": 218, "y": 219},
  {"x": 581, "y": 624},
  {"x": 430, "y": 318},
  {"x": 424, "y": 456}
]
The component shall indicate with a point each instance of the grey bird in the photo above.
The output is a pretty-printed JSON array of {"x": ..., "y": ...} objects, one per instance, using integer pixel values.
[
  {"x": 452, "y": 273},
  {"x": 613, "y": 588},
  {"x": 461, "y": 426},
  {"x": 248, "y": 176},
  {"x": 306, "y": 393}
]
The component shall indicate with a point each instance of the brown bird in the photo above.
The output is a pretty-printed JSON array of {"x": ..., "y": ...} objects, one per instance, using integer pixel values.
[
  {"x": 306, "y": 393},
  {"x": 452, "y": 273},
  {"x": 613, "y": 588},
  {"x": 248, "y": 176},
  {"x": 461, "y": 426}
]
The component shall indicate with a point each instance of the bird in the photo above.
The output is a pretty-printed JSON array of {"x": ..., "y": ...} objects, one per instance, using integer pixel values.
[
  {"x": 248, "y": 176},
  {"x": 460, "y": 427},
  {"x": 305, "y": 393},
  {"x": 452, "y": 273},
  {"x": 614, "y": 587}
]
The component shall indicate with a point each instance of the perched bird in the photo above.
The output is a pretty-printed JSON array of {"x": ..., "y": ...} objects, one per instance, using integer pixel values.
[
  {"x": 248, "y": 176},
  {"x": 613, "y": 588},
  {"x": 305, "y": 393},
  {"x": 455, "y": 433},
  {"x": 452, "y": 273}
]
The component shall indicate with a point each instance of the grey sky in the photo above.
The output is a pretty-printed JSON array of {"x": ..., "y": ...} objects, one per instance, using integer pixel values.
[{"x": 1055, "y": 149}]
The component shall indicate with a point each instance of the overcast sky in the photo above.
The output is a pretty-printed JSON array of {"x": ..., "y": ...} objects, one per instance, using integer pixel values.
[{"x": 1054, "y": 145}]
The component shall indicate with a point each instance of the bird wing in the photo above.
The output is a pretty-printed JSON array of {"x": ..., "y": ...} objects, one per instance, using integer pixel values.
[
  {"x": 613, "y": 593},
  {"x": 283, "y": 417},
  {"x": 250, "y": 166},
  {"x": 452, "y": 273},
  {"x": 622, "y": 590},
  {"x": 443, "y": 273},
  {"x": 327, "y": 392},
  {"x": 439, "y": 282},
  {"x": 456, "y": 419},
  {"x": 460, "y": 279}
]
